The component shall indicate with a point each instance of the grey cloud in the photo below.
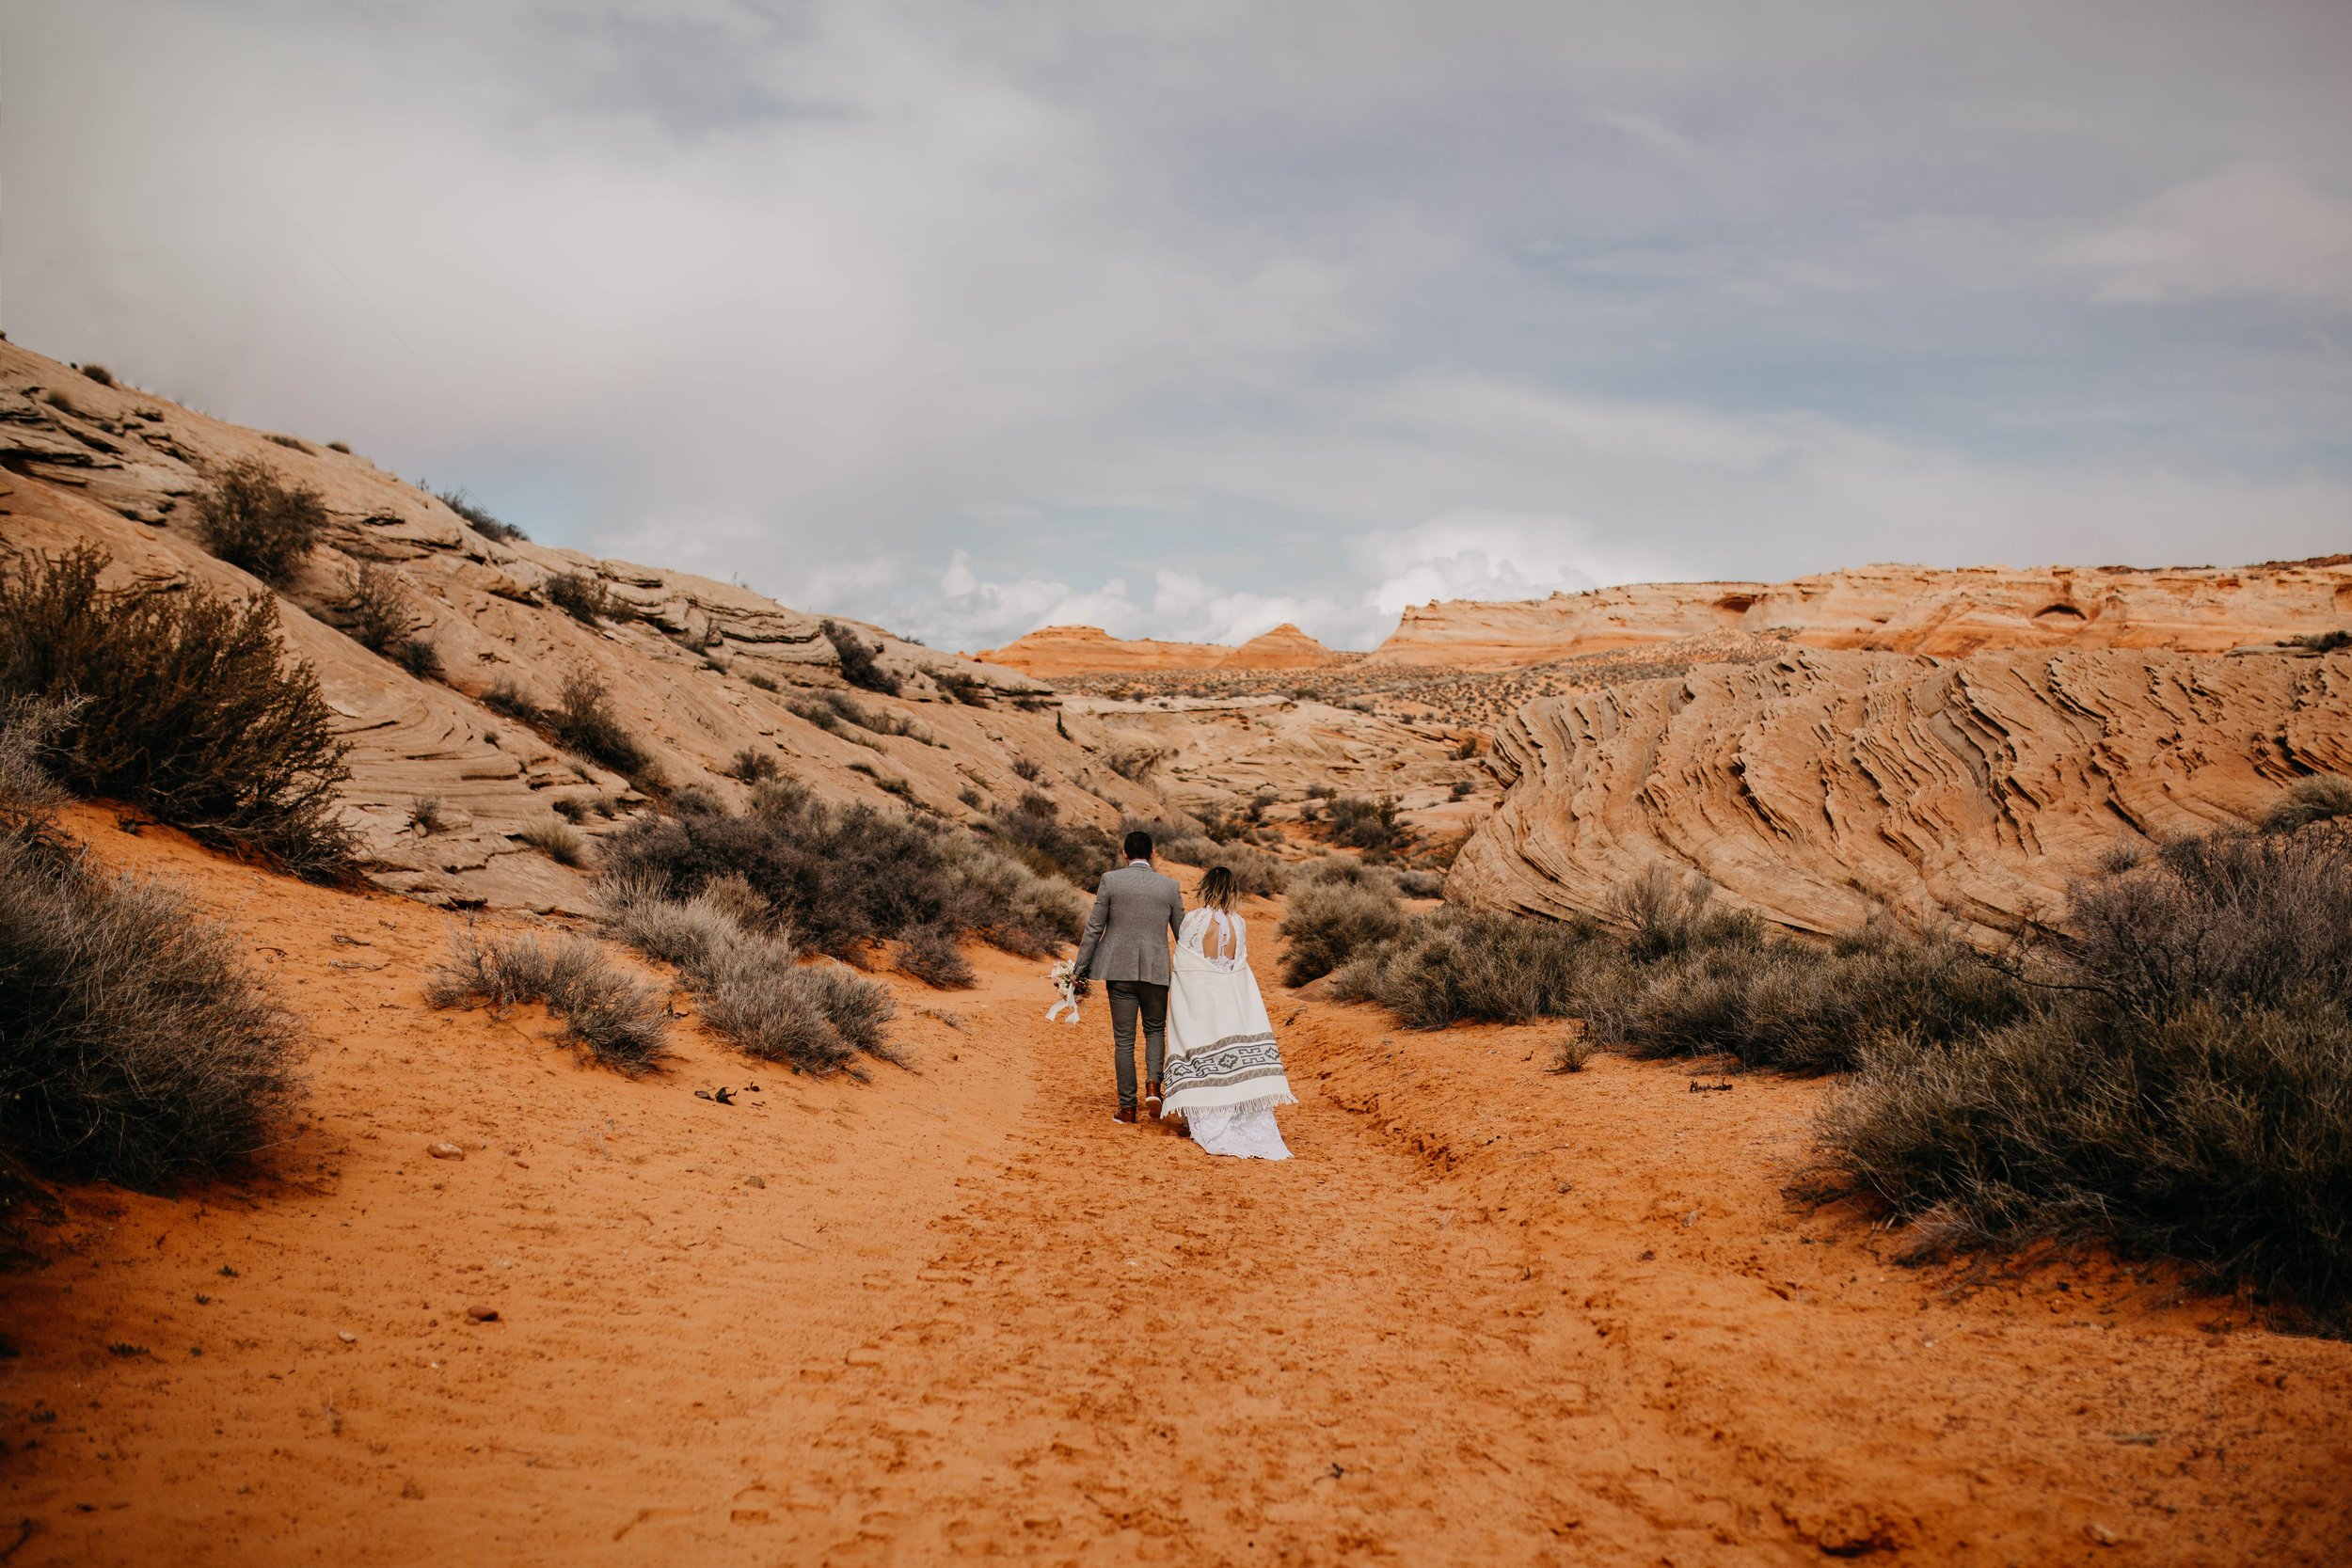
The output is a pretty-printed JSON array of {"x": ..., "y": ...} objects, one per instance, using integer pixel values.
[{"x": 1186, "y": 317}]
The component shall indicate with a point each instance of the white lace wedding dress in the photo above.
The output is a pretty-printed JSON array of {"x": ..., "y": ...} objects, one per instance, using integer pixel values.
[{"x": 1224, "y": 1074}]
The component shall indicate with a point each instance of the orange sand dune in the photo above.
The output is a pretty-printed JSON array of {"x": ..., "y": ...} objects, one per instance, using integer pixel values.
[{"x": 1487, "y": 1315}]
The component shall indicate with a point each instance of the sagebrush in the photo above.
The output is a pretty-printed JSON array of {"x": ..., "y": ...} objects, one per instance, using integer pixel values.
[
  {"x": 252, "y": 518},
  {"x": 140, "y": 1048},
  {"x": 183, "y": 704}
]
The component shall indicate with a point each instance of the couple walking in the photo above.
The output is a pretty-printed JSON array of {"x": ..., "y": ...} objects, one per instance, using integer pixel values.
[{"x": 1207, "y": 1041}]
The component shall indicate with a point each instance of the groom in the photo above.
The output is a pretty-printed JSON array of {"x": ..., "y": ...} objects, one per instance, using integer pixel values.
[{"x": 1135, "y": 911}]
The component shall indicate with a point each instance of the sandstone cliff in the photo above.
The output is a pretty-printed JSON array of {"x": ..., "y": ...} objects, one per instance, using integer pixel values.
[
  {"x": 697, "y": 670},
  {"x": 1053, "y": 652},
  {"x": 1899, "y": 608},
  {"x": 1822, "y": 785}
]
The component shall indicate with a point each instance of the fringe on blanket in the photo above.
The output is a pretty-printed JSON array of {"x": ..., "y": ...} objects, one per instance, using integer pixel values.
[{"x": 1263, "y": 1102}]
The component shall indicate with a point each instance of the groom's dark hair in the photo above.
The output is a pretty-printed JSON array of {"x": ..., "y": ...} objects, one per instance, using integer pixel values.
[{"x": 1138, "y": 846}]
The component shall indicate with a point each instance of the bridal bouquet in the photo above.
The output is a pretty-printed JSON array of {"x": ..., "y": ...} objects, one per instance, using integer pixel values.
[{"x": 1064, "y": 976}]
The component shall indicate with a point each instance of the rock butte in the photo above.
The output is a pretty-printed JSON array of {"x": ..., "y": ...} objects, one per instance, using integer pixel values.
[
  {"x": 1053, "y": 651},
  {"x": 1819, "y": 787},
  {"x": 1898, "y": 609}
]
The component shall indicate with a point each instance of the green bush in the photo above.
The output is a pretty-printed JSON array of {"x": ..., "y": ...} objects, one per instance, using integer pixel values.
[
  {"x": 139, "y": 1047},
  {"x": 183, "y": 706},
  {"x": 581, "y": 596},
  {"x": 1328, "y": 921},
  {"x": 479, "y": 518},
  {"x": 252, "y": 520}
]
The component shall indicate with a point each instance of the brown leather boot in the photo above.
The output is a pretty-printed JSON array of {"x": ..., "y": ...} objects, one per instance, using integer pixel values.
[
  {"x": 1126, "y": 1114},
  {"x": 1151, "y": 1098}
]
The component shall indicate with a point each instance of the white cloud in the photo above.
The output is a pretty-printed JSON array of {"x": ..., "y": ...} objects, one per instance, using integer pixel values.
[{"x": 2251, "y": 228}]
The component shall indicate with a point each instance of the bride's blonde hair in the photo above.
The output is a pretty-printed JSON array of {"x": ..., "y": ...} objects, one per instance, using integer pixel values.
[{"x": 1217, "y": 889}]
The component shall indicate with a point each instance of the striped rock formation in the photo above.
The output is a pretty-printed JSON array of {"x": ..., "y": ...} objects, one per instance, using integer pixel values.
[
  {"x": 1900, "y": 610},
  {"x": 1819, "y": 787},
  {"x": 697, "y": 670}
]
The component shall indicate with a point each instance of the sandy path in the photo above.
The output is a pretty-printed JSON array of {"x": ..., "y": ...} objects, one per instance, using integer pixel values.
[{"x": 1487, "y": 1315}]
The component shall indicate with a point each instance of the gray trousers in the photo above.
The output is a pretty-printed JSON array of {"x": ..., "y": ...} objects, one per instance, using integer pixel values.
[{"x": 1129, "y": 998}]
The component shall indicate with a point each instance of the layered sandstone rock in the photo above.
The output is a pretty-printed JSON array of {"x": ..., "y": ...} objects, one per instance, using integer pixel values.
[
  {"x": 697, "y": 670},
  {"x": 1899, "y": 608},
  {"x": 1052, "y": 653},
  {"x": 1819, "y": 787}
]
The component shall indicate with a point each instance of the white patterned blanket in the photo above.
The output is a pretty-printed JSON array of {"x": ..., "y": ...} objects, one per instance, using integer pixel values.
[{"x": 1220, "y": 1043}]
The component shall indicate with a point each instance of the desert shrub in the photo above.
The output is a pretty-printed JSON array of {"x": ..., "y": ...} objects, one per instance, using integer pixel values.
[
  {"x": 1773, "y": 1002},
  {"x": 2182, "y": 1095},
  {"x": 291, "y": 443},
  {"x": 1421, "y": 884},
  {"x": 2244, "y": 918},
  {"x": 970, "y": 796},
  {"x": 580, "y": 596},
  {"x": 751, "y": 765},
  {"x": 1456, "y": 965},
  {"x": 875, "y": 720},
  {"x": 1024, "y": 768},
  {"x": 753, "y": 989},
  {"x": 617, "y": 1018},
  {"x": 1033, "y": 833},
  {"x": 765, "y": 682},
  {"x": 930, "y": 955},
  {"x": 343, "y": 447},
  {"x": 139, "y": 1046},
  {"x": 251, "y": 519},
  {"x": 382, "y": 623},
  {"x": 556, "y": 838},
  {"x": 1328, "y": 921},
  {"x": 185, "y": 707},
  {"x": 1368, "y": 825},
  {"x": 2325, "y": 641},
  {"x": 2215, "y": 1135},
  {"x": 1256, "y": 874},
  {"x": 2322, "y": 797},
  {"x": 969, "y": 690},
  {"x": 1463, "y": 789},
  {"x": 479, "y": 519},
  {"x": 890, "y": 783},
  {"x": 98, "y": 374},
  {"x": 424, "y": 814},
  {"x": 858, "y": 666},
  {"x": 582, "y": 719},
  {"x": 507, "y": 696},
  {"x": 845, "y": 876}
]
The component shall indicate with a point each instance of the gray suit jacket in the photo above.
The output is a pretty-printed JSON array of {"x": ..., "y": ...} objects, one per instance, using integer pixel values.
[{"x": 1135, "y": 911}]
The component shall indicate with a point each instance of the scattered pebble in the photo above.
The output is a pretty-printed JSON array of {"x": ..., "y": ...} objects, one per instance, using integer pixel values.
[
  {"x": 755, "y": 1182},
  {"x": 445, "y": 1152},
  {"x": 482, "y": 1314},
  {"x": 348, "y": 1337}
]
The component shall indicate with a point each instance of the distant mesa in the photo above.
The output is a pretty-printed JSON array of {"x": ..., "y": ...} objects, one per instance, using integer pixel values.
[
  {"x": 1894, "y": 608},
  {"x": 1059, "y": 650}
]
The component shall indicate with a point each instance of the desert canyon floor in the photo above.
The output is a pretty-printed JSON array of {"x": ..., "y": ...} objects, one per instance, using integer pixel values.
[{"x": 1490, "y": 1314}]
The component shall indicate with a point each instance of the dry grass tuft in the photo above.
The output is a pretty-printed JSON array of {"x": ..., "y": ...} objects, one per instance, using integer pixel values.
[
  {"x": 617, "y": 1018},
  {"x": 557, "y": 839},
  {"x": 2323, "y": 798}
]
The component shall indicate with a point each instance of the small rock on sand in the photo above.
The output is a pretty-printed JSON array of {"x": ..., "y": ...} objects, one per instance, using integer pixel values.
[
  {"x": 445, "y": 1152},
  {"x": 482, "y": 1314}
]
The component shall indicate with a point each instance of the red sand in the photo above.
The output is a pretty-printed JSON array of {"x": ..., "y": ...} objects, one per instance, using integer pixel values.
[{"x": 1487, "y": 1315}]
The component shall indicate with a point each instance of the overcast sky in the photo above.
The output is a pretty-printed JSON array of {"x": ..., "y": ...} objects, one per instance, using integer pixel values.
[{"x": 1185, "y": 320}]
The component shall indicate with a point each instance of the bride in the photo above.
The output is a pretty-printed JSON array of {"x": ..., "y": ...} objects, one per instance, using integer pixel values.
[{"x": 1224, "y": 1073}]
